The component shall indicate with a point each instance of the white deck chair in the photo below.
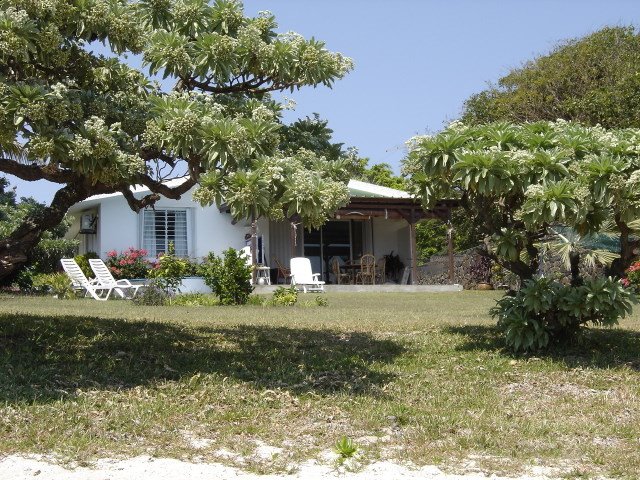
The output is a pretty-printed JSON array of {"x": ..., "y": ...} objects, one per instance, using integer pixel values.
[
  {"x": 105, "y": 279},
  {"x": 302, "y": 277},
  {"x": 79, "y": 281}
]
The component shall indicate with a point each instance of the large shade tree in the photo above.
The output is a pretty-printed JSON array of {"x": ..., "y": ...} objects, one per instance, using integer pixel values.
[
  {"x": 517, "y": 181},
  {"x": 93, "y": 124},
  {"x": 591, "y": 80}
]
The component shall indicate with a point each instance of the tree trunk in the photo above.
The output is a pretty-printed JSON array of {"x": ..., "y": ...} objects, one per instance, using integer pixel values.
[
  {"x": 627, "y": 247},
  {"x": 574, "y": 263},
  {"x": 254, "y": 249},
  {"x": 15, "y": 249}
]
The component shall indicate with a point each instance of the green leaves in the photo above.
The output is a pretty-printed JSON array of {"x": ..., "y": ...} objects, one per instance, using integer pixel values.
[
  {"x": 487, "y": 174},
  {"x": 548, "y": 204},
  {"x": 544, "y": 310}
]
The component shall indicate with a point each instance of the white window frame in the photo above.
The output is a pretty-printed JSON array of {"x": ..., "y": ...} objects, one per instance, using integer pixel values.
[{"x": 189, "y": 228}]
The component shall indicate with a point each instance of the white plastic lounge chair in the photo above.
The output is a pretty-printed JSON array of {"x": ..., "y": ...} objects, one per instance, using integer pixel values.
[
  {"x": 302, "y": 277},
  {"x": 105, "y": 279},
  {"x": 79, "y": 281}
]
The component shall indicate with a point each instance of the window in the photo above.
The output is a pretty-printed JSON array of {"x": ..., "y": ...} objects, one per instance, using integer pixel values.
[{"x": 161, "y": 227}]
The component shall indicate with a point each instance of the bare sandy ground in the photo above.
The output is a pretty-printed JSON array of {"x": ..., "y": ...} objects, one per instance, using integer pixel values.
[{"x": 17, "y": 467}]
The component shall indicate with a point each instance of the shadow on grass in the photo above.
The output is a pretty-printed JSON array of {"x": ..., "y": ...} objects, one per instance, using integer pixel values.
[
  {"x": 43, "y": 358},
  {"x": 596, "y": 348}
]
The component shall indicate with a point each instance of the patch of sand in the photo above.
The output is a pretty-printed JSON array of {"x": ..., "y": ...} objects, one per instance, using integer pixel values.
[{"x": 19, "y": 467}]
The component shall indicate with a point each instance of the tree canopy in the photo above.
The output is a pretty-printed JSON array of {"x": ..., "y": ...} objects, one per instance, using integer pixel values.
[
  {"x": 515, "y": 181},
  {"x": 592, "y": 80},
  {"x": 93, "y": 124}
]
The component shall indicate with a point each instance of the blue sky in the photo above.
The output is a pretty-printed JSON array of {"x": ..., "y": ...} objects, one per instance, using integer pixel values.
[{"x": 416, "y": 61}]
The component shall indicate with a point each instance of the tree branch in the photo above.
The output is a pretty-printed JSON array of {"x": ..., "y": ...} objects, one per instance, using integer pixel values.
[{"x": 35, "y": 172}]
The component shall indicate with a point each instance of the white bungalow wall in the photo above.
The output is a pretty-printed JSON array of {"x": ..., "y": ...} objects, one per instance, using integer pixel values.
[{"x": 209, "y": 230}]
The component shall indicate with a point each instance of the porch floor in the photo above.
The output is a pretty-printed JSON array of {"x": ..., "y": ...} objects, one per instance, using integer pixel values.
[{"x": 386, "y": 288}]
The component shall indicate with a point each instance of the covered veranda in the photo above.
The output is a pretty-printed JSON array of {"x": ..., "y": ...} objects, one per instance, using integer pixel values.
[{"x": 377, "y": 221}]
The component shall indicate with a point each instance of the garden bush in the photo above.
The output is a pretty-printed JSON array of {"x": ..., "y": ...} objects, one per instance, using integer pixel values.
[
  {"x": 128, "y": 264},
  {"x": 83, "y": 263},
  {"x": 544, "y": 311},
  {"x": 229, "y": 277},
  {"x": 632, "y": 278},
  {"x": 57, "y": 284},
  {"x": 47, "y": 254},
  {"x": 284, "y": 296},
  {"x": 194, "y": 300},
  {"x": 169, "y": 270}
]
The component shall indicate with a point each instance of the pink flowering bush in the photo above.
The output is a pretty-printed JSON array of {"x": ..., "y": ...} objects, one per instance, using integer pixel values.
[
  {"x": 128, "y": 264},
  {"x": 633, "y": 276}
]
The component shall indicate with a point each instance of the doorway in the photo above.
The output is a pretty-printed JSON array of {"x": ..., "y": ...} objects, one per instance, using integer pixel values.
[{"x": 336, "y": 238}]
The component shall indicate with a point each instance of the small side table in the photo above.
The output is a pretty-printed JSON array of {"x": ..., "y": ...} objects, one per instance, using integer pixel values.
[{"x": 263, "y": 275}]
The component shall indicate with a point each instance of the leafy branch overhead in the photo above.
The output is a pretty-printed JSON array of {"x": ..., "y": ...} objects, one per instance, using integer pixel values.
[{"x": 93, "y": 124}]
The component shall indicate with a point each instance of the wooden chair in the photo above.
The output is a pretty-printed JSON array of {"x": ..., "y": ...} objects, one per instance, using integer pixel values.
[
  {"x": 367, "y": 271},
  {"x": 381, "y": 274},
  {"x": 340, "y": 276},
  {"x": 284, "y": 273}
]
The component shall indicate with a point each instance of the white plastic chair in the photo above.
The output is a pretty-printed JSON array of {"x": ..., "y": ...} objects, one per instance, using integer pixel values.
[
  {"x": 105, "y": 279},
  {"x": 302, "y": 277},
  {"x": 79, "y": 281}
]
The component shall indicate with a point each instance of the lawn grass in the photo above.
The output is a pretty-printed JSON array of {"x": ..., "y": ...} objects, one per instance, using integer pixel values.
[{"x": 412, "y": 377}]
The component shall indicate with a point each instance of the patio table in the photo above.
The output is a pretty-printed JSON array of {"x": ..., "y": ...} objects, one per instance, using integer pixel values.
[{"x": 354, "y": 267}]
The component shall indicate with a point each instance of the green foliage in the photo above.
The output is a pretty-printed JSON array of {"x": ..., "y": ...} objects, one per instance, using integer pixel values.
[
  {"x": 515, "y": 182},
  {"x": 431, "y": 235},
  {"x": 592, "y": 80},
  {"x": 382, "y": 174},
  {"x": 194, "y": 300},
  {"x": 48, "y": 252},
  {"x": 131, "y": 263},
  {"x": 83, "y": 263},
  {"x": 93, "y": 124},
  {"x": 170, "y": 270},
  {"x": 45, "y": 256},
  {"x": 544, "y": 311},
  {"x": 632, "y": 278},
  {"x": 312, "y": 134},
  {"x": 284, "y": 296},
  {"x": 229, "y": 277},
  {"x": 256, "y": 300},
  {"x": 151, "y": 296},
  {"x": 321, "y": 301},
  {"x": 56, "y": 283},
  {"x": 345, "y": 447}
]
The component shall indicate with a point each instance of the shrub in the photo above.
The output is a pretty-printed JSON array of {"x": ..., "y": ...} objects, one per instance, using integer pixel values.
[
  {"x": 56, "y": 283},
  {"x": 322, "y": 301},
  {"x": 543, "y": 310},
  {"x": 24, "y": 278},
  {"x": 229, "y": 277},
  {"x": 284, "y": 296},
  {"x": 257, "y": 300},
  {"x": 128, "y": 264},
  {"x": 194, "y": 300},
  {"x": 83, "y": 263},
  {"x": 47, "y": 254},
  {"x": 633, "y": 276},
  {"x": 169, "y": 271},
  {"x": 151, "y": 296}
]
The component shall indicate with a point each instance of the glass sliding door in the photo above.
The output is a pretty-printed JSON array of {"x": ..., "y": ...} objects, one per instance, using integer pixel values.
[{"x": 338, "y": 238}]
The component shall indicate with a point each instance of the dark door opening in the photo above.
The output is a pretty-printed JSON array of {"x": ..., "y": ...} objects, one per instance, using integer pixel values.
[{"x": 337, "y": 238}]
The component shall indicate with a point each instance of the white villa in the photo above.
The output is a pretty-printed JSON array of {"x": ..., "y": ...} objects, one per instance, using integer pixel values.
[{"x": 377, "y": 220}]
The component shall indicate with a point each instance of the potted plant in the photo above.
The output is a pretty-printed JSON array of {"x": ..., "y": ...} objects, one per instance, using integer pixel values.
[{"x": 480, "y": 272}]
